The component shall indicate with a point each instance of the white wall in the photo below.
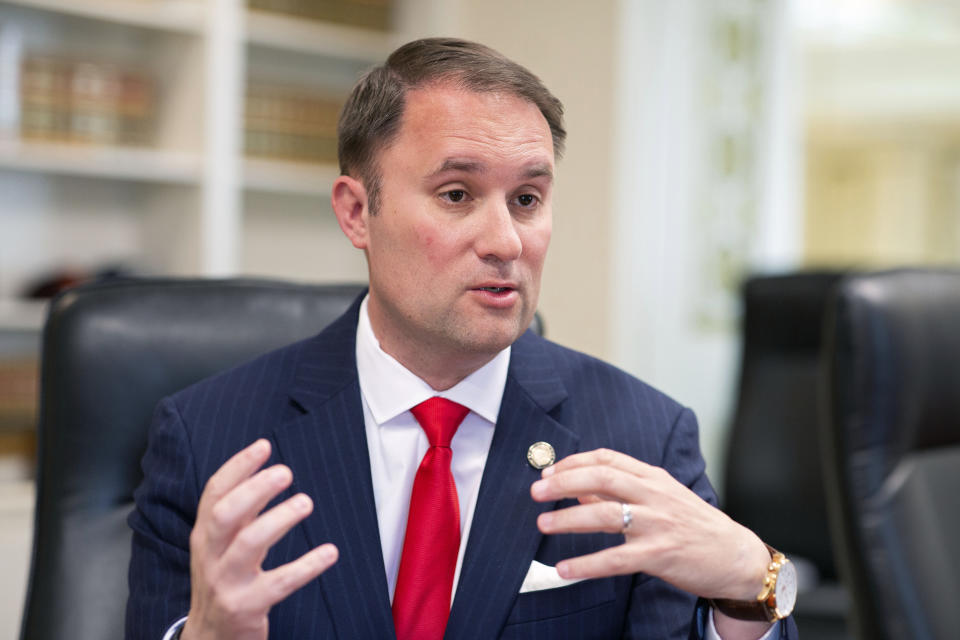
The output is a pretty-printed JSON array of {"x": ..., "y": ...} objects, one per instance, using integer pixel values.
[
  {"x": 676, "y": 211},
  {"x": 572, "y": 47}
]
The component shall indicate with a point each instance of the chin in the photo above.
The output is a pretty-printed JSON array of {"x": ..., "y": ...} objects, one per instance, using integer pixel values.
[{"x": 492, "y": 340}]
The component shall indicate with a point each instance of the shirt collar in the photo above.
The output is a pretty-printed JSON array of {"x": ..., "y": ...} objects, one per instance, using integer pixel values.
[{"x": 390, "y": 389}]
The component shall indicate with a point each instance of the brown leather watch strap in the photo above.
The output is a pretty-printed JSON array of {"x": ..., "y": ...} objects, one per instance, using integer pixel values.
[
  {"x": 761, "y": 610},
  {"x": 743, "y": 609}
]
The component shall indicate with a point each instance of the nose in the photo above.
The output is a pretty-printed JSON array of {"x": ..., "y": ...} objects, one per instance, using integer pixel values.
[{"x": 497, "y": 235}]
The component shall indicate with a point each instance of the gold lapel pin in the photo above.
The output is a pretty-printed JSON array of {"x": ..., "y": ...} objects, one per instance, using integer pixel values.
[{"x": 541, "y": 455}]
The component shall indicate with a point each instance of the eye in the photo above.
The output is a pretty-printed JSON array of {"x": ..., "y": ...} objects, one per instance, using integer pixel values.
[
  {"x": 454, "y": 195},
  {"x": 527, "y": 200}
]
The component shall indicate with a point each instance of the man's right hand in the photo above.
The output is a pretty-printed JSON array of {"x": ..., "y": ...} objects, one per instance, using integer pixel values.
[{"x": 230, "y": 593}]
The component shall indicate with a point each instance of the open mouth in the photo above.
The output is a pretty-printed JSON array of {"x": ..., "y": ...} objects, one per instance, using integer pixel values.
[{"x": 496, "y": 289}]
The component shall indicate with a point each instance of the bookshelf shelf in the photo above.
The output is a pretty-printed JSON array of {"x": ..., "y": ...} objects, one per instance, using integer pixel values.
[
  {"x": 22, "y": 316},
  {"x": 297, "y": 178},
  {"x": 168, "y": 15},
  {"x": 117, "y": 163},
  {"x": 317, "y": 38}
]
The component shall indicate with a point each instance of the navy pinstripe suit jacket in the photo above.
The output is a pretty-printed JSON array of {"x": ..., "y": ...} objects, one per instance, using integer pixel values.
[{"x": 305, "y": 399}]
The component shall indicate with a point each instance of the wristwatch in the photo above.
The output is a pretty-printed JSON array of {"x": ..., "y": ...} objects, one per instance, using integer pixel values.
[{"x": 775, "y": 600}]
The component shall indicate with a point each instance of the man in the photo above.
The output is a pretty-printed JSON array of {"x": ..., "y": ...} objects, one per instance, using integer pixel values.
[{"x": 447, "y": 154}]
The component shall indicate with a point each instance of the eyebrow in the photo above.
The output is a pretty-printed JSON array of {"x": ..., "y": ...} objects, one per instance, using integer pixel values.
[
  {"x": 459, "y": 164},
  {"x": 538, "y": 170}
]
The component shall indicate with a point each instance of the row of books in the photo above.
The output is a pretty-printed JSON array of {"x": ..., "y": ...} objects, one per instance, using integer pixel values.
[
  {"x": 369, "y": 14},
  {"x": 67, "y": 100},
  {"x": 18, "y": 393},
  {"x": 70, "y": 100},
  {"x": 290, "y": 123}
]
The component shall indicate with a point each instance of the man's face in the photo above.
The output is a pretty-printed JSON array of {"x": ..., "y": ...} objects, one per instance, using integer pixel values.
[{"x": 457, "y": 248}]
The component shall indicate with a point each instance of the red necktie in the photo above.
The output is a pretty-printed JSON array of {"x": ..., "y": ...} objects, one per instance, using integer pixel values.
[{"x": 421, "y": 601}]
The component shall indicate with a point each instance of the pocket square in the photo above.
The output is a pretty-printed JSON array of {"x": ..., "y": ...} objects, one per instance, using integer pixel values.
[{"x": 541, "y": 577}]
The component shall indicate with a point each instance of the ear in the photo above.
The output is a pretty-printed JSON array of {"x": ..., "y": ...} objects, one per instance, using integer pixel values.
[{"x": 349, "y": 201}]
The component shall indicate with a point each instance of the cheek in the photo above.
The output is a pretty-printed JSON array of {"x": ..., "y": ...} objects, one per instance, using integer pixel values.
[
  {"x": 535, "y": 245},
  {"x": 432, "y": 248}
]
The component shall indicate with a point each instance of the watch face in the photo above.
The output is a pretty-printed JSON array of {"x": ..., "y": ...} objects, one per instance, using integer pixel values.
[{"x": 786, "y": 588}]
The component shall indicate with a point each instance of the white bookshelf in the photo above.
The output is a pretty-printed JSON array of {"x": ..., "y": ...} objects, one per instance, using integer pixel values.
[
  {"x": 318, "y": 38},
  {"x": 184, "y": 193},
  {"x": 22, "y": 316},
  {"x": 93, "y": 161},
  {"x": 294, "y": 178},
  {"x": 173, "y": 15},
  {"x": 16, "y": 530}
]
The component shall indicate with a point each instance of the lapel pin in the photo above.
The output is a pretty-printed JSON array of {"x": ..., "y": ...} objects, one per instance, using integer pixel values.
[{"x": 541, "y": 455}]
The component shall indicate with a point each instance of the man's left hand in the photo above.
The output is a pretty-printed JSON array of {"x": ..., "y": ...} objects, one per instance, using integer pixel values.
[{"x": 674, "y": 534}]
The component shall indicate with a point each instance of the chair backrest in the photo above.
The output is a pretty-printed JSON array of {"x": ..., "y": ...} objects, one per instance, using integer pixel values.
[
  {"x": 110, "y": 352},
  {"x": 773, "y": 482},
  {"x": 892, "y": 454}
]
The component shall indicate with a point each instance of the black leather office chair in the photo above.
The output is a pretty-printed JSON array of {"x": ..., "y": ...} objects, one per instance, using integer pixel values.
[
  {"x": 773, "y": 482},
  {"x": 893, "y": 454},
  {"x": 110, "y": 352}
]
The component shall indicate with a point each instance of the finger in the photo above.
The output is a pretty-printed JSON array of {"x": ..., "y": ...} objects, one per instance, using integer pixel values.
[
  {"x": 240, "y": 507},
  {"x": 249, "y": 547},
  {"x": 599, "y": 457},
  {"x": 277, "y": 584},
  {"x": 233, "y": 472},
  {"x": 620, "y": 560},
  {"x": 591, "y": 497},
  {"x": 599, "y": 516},
  {"x": 618, "y": 485}
]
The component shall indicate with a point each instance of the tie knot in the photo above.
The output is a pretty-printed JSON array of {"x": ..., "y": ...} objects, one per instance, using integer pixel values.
[{"x": 439, "y": 419}]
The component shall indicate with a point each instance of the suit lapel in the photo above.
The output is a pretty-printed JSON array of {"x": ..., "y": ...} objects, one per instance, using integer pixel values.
[
  {"x": 504, "y": 535},
  {"x": 324, "y": 443}
]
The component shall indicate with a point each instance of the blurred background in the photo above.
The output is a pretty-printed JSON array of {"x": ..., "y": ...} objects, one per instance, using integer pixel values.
[{"x": 709, "y": 140}]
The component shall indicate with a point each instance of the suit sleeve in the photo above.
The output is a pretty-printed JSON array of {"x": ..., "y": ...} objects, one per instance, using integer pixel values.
[
  {"x": 164, "y": 513},
  {"x": 658, "y": 609}
]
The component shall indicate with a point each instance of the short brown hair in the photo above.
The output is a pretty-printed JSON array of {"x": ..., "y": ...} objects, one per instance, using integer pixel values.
[{"x": 371, "y": 116}]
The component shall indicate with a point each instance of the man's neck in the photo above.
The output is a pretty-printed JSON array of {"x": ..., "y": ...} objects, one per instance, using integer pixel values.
[
  {"x": 390, "y": 387},
  {"x": 439, "y": 371},
  {"x": 439, "y": 365}
]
